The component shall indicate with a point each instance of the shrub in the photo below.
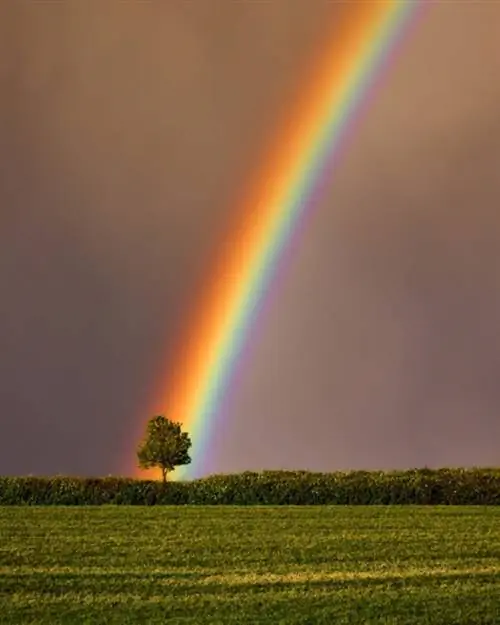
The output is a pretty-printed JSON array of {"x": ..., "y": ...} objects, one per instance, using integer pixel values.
[{"x": 418, "y": 486}]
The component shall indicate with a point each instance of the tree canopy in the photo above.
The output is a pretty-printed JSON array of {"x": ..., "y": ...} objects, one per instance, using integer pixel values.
[{"x": 165, "y": 446}]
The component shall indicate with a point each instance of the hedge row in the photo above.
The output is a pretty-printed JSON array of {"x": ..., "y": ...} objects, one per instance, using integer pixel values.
[{"x": 422, "y": 486}]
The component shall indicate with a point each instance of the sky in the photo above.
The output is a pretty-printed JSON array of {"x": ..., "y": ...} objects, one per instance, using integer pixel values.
[{"x": 128, "y": 131}]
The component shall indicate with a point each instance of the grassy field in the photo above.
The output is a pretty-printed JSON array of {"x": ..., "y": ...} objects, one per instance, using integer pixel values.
[{"x": 250, "y": 565}]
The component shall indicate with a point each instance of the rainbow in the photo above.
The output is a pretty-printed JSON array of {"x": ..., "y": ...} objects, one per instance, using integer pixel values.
[{"x": 295, "y": 166}]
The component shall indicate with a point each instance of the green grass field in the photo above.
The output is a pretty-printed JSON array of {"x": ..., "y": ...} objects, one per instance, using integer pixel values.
[{"x": 250, "y": 565}]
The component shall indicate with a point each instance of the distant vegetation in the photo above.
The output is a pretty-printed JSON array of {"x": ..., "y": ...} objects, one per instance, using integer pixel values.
[
  {"x": 422, "y": 486},
  {"x": 319, "y": 565}
]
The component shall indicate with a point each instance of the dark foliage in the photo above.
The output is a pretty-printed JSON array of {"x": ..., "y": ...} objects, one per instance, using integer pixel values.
[
  {"x": 422, "y": 486},
  {"x": 165, "y": 446}
]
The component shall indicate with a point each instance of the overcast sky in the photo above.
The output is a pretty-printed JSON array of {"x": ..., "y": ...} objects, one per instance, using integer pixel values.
[{"x": 127, "y": 133}]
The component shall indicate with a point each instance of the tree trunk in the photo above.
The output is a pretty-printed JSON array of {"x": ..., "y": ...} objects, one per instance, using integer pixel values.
[{"x": 164, "y": 474}]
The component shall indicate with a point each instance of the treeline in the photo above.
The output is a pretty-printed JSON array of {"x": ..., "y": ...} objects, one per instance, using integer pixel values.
[{"x": 421, "y": 486}]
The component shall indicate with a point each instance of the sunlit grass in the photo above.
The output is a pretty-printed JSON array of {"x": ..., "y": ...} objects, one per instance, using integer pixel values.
[{"x": 250, "y": 565}]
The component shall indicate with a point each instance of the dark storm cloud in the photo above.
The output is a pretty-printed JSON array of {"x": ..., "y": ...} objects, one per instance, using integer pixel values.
[
  {"x": 127, "y": 130},
  {"x": 381, "y": 347}
]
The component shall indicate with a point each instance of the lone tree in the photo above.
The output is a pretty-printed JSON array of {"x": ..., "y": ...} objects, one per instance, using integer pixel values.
[{"x": 165, "y": 446}]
